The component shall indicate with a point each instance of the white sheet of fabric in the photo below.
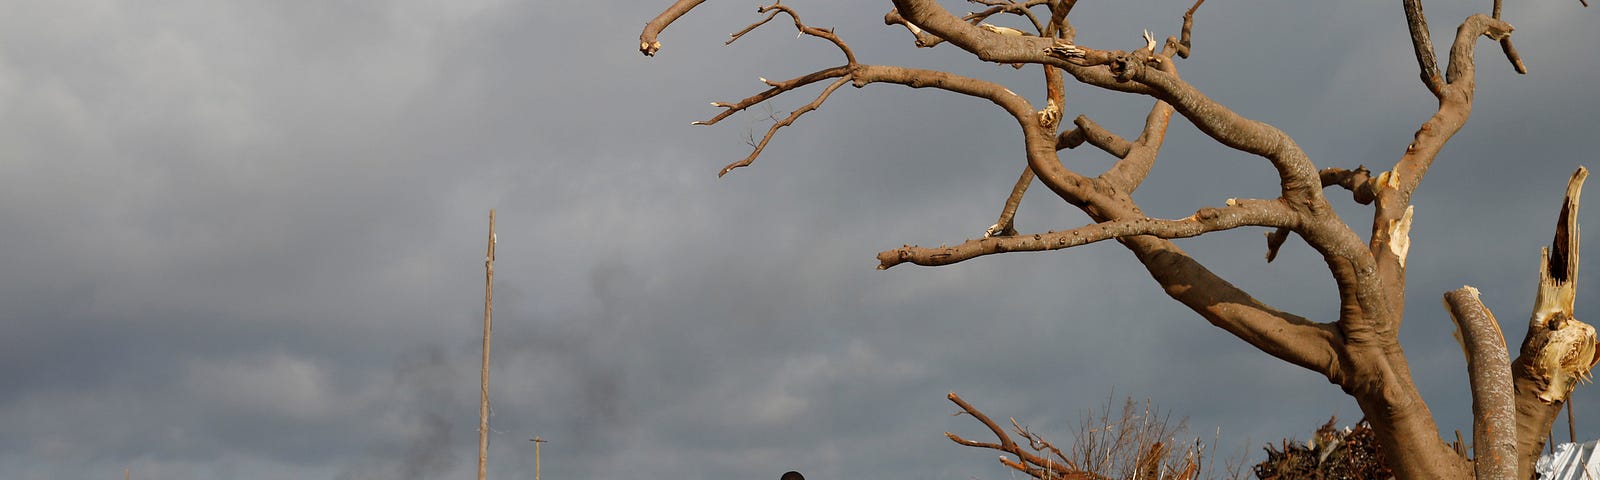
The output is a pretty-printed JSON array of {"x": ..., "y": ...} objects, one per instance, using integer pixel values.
[{"x": 1572, "y": 461}]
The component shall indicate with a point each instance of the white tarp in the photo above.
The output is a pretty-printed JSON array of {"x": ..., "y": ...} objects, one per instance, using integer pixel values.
[{"x": 1572, "y": 461}]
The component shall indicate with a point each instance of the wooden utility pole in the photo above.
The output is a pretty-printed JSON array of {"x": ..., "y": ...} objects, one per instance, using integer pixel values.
[
  {"x": 536, "y": 443},
  {"x": 488, "y": 330}
]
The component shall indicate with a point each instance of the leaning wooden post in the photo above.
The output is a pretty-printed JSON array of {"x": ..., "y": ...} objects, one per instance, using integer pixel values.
[{"x": 488, "y": 330}]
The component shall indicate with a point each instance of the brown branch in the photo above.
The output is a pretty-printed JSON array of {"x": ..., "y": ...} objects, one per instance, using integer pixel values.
[
  {"x": 778, "y": 88},
  {"x": 1356, "y": 181},
  {"x": 1006, "y": 226},
  {"x": 1026, "y": 462},
  {"x": 1237, "y": 214},
  {"x": 999, "y": 433},
  {"x": 1059, "y": 27},
  {"x": 1423, "y": 45},
  {"x": 1181, "y": 45},
  {"x": 1455, "y": 106},
  {"x": 648, "y": 44},
  {"x": 1494, "y": 421},
  {"x": 1275, "y": 241},
  {"x": 1127, "y": 174},
  {"x": 1297, "y": 176},
  {"x": 1512, "y": 55},
  {"x": 862, "y": 75},
  {"x": 1393, "y": 189},
  {"x": 928, "y": 40},
  {"x": 1102, "y": 138},
  {"x": 1362, "y": 289},
  {"x": 1014, "y": 8},
  {"x": 787, "y": 121},
  {"x": 1070, "y": 139},
  {"x": 923, "y": 38},
  {"x": 1461, "y": 62},
  {"x": 990, "y": 47},
  {"x": 823, "y": 33},
  {"x": 1279, "y": 334}
]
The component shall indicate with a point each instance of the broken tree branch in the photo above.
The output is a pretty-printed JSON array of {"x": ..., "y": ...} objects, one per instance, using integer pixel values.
[
  {"x": 1494, "y": 449},
  {"x": 648, "y": 45},
  {"x": 1559, "y": 351}
]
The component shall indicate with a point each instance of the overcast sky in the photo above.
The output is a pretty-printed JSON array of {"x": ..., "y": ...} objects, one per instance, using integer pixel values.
[{"x": 244, "y": 240}]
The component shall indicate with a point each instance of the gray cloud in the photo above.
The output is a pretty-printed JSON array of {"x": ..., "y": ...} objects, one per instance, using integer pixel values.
[{"x": 245, "y": 240}]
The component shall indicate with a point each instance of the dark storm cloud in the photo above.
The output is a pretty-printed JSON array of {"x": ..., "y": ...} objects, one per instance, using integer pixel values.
[{"x": 245, "y": 241}]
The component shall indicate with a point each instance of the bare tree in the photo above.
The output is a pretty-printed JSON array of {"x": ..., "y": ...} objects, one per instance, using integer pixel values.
[{"x": 1514, "y": 402}]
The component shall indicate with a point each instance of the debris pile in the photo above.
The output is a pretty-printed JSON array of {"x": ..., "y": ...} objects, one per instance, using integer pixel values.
[{"x": 1351, "y": 453}]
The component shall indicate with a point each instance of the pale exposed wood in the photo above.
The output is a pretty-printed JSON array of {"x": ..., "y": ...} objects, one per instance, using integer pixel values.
[{"x": 1558, "y": 351}]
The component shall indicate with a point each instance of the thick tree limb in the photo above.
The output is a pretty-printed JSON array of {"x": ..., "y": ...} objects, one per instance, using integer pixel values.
[
  {"x": 1297, "y": 175},
  {"x": 1127, "y": 174},
  {"x": 648, "y": 45},
  {"x": 1494, "y": 420},
  {"x": 929, "y": 16},
  {"x": 1392, "y": 190},
  {"x": 1280, "y": 334},
  {"x": 1455, "y": 105}
]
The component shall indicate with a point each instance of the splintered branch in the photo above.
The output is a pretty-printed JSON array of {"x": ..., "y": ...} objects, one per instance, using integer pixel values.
[
  {"x": 1238, "y": 213},
  {"x": 1489, "y": 375},
  {"x": 648, "y": 45},
  {"x": 1559, "y": 351}
]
